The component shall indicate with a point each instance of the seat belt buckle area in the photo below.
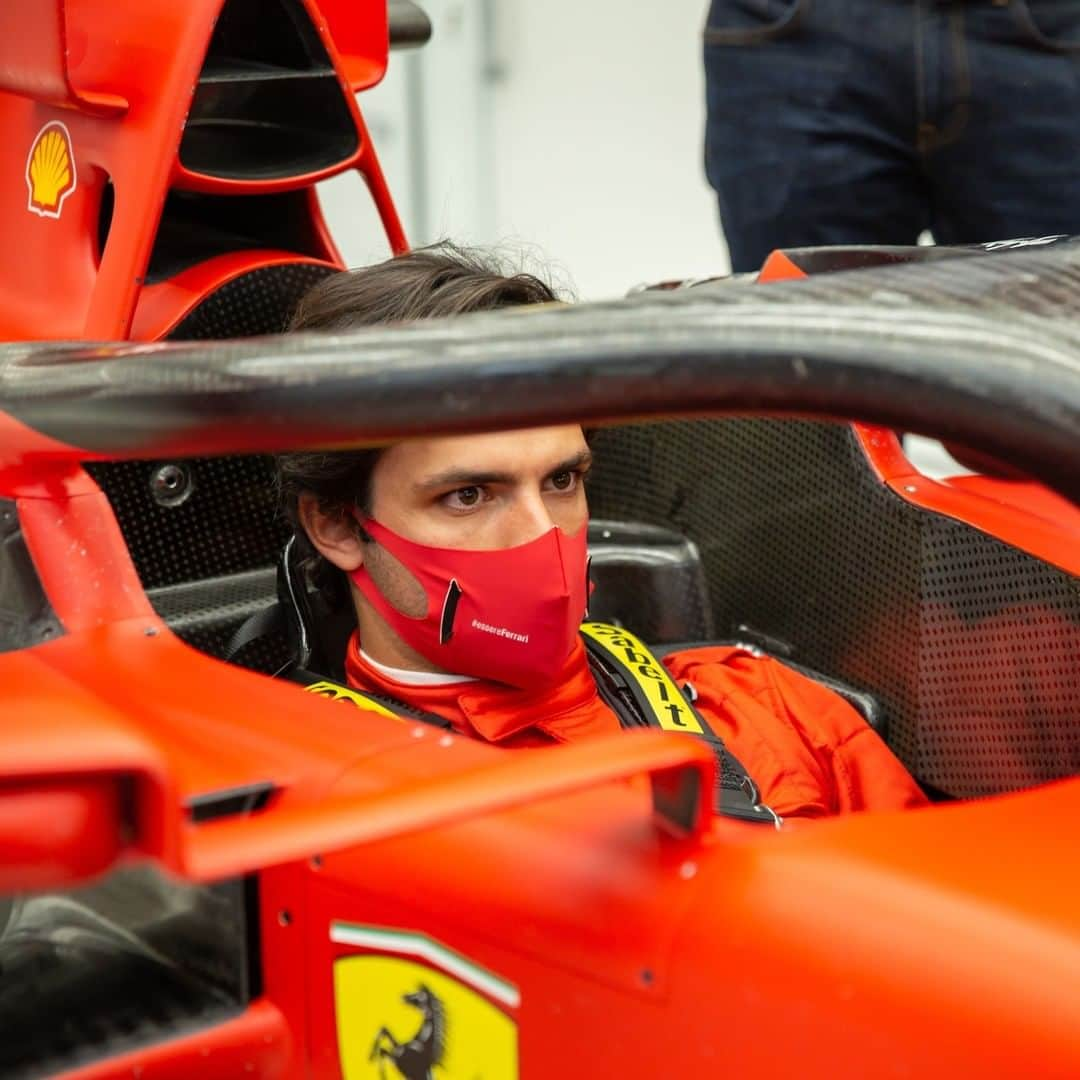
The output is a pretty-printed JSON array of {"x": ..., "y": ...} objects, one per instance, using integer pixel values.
[{"x": 743, "y": 802}]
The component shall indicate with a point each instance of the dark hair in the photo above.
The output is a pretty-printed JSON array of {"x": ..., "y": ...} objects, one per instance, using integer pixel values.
[
  {"x": 424, "y": 284},
  {"x": 440, "y": 280}
]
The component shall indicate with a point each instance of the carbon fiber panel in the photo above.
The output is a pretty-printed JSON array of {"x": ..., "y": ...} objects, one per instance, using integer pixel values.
[{"x": 972, "y": 646}]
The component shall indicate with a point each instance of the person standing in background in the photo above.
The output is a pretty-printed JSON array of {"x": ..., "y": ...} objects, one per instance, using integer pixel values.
[{"x": 870, "y": 121}]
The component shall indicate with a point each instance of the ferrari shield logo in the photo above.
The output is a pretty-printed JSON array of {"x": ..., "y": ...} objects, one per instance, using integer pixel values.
[
  {"x": 50, "y": 170},
  {"x": 407, "y": 1008}
]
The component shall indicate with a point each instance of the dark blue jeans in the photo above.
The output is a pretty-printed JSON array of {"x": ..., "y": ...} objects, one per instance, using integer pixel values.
[{"x": 868, "y": 121}]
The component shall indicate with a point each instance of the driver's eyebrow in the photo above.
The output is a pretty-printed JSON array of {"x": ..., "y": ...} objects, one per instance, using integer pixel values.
[
  {"x": 582, "y": 459},
  {"x": 462, "y": 478}
]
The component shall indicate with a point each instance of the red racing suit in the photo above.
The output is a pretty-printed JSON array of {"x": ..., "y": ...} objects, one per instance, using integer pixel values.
[{"x": 810, "y": 753}]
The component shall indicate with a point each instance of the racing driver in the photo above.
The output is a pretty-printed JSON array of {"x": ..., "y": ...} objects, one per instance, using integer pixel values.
[{"x": 465, "y": 560}]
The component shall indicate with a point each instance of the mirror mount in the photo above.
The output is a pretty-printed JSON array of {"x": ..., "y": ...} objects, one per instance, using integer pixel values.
[{"x": 55, "y": 832}]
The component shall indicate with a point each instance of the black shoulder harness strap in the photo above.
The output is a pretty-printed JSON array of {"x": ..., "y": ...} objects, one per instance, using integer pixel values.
[{"x": 639, "y": 690}]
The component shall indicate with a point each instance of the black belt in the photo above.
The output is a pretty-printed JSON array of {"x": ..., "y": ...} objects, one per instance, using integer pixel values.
[{"x": 636, "y": 686}]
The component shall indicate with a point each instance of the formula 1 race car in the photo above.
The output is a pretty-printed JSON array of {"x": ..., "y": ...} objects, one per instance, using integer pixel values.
[{"x": 209, "y": 871}]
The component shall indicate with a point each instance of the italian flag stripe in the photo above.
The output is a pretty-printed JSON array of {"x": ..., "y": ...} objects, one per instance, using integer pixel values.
[{"x": 419, "y": 945}]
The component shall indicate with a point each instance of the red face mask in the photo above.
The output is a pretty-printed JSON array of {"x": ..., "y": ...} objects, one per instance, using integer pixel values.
[{"x": 510, "y": 615}]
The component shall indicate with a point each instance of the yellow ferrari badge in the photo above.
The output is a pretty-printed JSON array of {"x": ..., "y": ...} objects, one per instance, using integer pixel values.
[{"x": 408, "y": 1007}]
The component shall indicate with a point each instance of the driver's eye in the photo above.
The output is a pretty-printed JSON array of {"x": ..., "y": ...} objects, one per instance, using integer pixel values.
[
  {"x": 562, "y": 481},
  {"x": 464, "y": 497}
]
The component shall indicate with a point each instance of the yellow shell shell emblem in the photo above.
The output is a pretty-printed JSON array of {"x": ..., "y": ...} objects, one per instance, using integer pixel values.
[
  {"x": 50, "y": 170},
  {"x": 420, "y": 1011}
]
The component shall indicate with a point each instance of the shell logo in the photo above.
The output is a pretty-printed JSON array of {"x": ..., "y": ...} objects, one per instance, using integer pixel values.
[{"x": 50, "y": 170}]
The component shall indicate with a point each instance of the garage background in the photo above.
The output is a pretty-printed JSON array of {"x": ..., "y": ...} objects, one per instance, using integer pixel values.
[{"x": 567, "y": 133}]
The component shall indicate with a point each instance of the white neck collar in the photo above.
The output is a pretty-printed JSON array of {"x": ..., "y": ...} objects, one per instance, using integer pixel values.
[{"x": 415, "y": 678}]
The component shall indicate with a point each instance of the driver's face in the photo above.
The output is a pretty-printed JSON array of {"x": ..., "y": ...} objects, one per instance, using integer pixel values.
[{"x": 483, "y": 491}]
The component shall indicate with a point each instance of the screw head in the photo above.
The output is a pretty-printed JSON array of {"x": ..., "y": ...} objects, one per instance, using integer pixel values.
[{"x": 172, "y": 484}]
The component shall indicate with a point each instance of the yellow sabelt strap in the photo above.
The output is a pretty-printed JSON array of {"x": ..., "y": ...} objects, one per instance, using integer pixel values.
[
  {"x": 337, "y": 692},
  {"x": 672, "y": 711}
]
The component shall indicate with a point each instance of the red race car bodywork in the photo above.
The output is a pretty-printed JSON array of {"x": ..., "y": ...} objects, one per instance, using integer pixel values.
[
  {"x": 125, "y": 124},
  {"x": 204, "y": 871}
]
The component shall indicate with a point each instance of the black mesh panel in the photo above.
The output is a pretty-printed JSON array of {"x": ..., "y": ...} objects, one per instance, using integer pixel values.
[
  {"x": 999, "y": 665},
  {"x": 259, "y": 302},
  {"x": 207, "y": 563},
  {"x": 970, "y": 644},
  {"x": 226, "y": 525}
]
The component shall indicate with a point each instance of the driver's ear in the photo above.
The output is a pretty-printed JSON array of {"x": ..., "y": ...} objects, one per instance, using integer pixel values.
[{"x": 336, "y": 537}]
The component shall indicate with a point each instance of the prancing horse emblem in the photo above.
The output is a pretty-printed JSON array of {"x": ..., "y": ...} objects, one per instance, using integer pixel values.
[{"x": 416, "y": 1058}]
